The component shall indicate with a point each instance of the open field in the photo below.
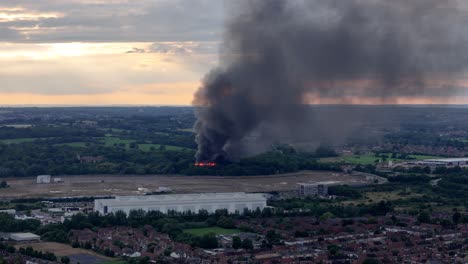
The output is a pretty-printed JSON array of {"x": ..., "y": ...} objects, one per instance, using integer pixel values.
[
  {"x": 372, "y": 197},
  {"x": 207, "y": 230},
  {"x": 17, "y": 140},
  {"x": 73, "y": 144},
  {"x": 61, "y": 250},
  {"x": 99, "y": 185},
  {"x": 147, "y": 147},
  {"x": 110, "y": 141}
]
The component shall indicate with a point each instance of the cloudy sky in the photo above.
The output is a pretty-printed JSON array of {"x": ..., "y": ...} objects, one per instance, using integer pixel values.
[
  {"x": 120, "y": 52},
  {"x": 96, "y": 52}
]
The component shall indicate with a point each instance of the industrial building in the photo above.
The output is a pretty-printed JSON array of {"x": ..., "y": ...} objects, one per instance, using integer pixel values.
[
  {"x": 449, "y": 162},
  {"x": 58, "y": 180},
  {"x": 43, "y": 179},
  {"x": 24, "y": 237},
  {"x": 314, "y": 189},
  {"x": 210, "y": 202}
]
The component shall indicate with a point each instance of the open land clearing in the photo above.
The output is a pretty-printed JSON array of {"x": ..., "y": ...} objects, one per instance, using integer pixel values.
[
  {"x": 60, "y": 250},
  {"x": 215, "y": 230},
  {"x": 102, "y": 185}
]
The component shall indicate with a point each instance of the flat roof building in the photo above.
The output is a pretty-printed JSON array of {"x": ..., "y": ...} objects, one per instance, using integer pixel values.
[
  {"x": 8, "y": 211},
  {"x": 43, "y": 179},
  {"x": 462, "y": 162},
  {"x": 232, "y": 202},
  {"x": 24, "y": 237}
]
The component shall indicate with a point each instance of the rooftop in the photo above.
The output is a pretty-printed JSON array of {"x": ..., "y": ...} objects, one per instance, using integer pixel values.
[
  {"x": 447, "y": 160},
  {"x": 195, "y": 197},
  {"x": 24, "y": 235}
]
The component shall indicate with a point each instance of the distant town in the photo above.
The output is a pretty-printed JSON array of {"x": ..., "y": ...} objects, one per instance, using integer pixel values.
[{"x": 105, "y": 185}]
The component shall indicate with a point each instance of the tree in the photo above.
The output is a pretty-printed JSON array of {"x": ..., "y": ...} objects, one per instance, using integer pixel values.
[
  {"x": 225, "y": 222},
  {"x": 247, "y": 244},
  {"x": 3, "y": 184},
  {"x": 456, "y": 217},
  {"x": 371, "y": 261},
  {"x": 424, "y": 217},
  {"x": 65, "y": 260},
  {"x": 208, "y": 241},
  {"x": 273, "y": 237},
  {"x": 236, "y": 242}
]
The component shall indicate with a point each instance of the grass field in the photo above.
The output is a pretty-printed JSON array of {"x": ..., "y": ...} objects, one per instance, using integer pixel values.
[
  {"x": 373, "y": 197},
  {"x": 111, "y": 141},
  {"x": 114, "y": 262},
  {"x": 207, "y": 230},
  {"x": 147, "y": 147},
  {"x": 73, "y": 144},
  {"x": 18, "y": 125},
  {"x": 17, "y": 140},
  {"x": 187, "y": 129}
]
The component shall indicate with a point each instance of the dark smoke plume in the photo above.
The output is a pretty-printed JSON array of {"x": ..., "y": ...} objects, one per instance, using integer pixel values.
[{"x": 278, "y": 55}]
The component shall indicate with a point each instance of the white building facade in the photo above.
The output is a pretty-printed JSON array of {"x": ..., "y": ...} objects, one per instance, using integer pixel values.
[
  {"x": 210, "y": 202},
  {"x": 43, "y": 179}
]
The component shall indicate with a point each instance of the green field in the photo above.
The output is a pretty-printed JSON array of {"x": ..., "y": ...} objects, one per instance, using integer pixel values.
[
  {"x": 110, "y": 141},
  {"x": 208, "y": 230},
  {"x": 113, "y": 262},
  {"x": 147, "y": 147},
  {"x": 190, "y": 129},
  {"x": 18, "y": 140},
  {"x": 18, "y": 125},
  {"x": 73, "y": 144}
]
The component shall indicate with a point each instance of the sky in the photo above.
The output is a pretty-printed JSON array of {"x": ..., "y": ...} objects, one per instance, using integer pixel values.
[
  {"x": 119, "y": 52},
  {"x": 106, "y": 52}
]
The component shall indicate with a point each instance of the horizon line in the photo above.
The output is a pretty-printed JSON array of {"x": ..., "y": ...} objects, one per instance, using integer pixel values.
[{"x": 189, "y": 105}]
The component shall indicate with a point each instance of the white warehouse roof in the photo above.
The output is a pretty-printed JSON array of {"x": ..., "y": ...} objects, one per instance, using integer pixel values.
[
  {"x": 183, "y": 202},
  {"x": 447, "y": 160},
  {"x": 24, "y": 236}
]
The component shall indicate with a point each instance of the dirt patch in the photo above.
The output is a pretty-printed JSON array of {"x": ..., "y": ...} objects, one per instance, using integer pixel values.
[
  {"x": 99, "y": 185},
  {"x": 61, "y": 250}
]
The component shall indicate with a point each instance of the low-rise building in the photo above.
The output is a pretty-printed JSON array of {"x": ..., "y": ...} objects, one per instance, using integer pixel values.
[
  {"x": 449, "y": 162},
  {"x": 58, "y": 180},
  {"x": 232, "y": 202},
  {"x": 8, "y": 211},
  {"x": 43, "y": 179},
  {"x": 24, "y": 237},
  {"x": 313, "y": 189}
]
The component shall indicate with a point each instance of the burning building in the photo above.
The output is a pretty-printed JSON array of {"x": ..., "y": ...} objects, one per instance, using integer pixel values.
[{"x": 205, "y": 164}]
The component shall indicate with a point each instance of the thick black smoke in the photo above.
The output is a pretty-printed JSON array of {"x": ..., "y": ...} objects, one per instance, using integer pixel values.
[{"x": 278, "y": 55}]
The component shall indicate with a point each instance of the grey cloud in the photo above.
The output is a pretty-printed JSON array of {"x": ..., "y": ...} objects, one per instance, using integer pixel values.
[
  {"x": 180, "y": 48},
  {"x": 168, "y": 49},
  {"x": 136, "y": 50},
  {"x": 148, "y": 21}
]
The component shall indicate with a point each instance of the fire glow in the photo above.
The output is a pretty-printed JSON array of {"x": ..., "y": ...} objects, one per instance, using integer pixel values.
[{"x": 205, "y": 164}]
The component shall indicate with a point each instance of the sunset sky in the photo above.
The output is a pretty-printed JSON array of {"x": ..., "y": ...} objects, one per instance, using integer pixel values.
[
  {"x": 106, "y": 52},
  {"x": 118, "y": 52}
]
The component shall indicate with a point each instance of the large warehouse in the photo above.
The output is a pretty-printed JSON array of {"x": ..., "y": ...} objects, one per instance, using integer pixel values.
[
  {"x": 462, "y": 162},
  {"x": 211, "y": 202}
]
